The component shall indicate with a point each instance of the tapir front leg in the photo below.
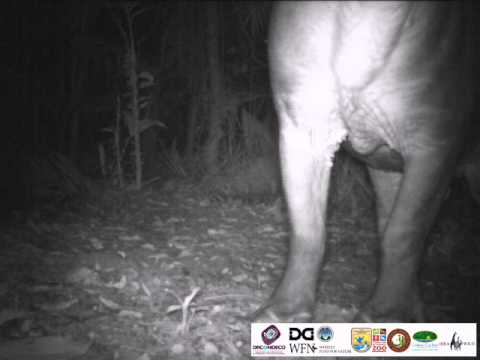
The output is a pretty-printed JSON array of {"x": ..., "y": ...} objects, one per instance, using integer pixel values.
[
  {"x": 306, "y": 177},
  {"x": 310, "y": 132}
]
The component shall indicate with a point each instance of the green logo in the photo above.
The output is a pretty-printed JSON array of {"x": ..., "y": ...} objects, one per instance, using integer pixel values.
[{"x": 425, "y": 336}]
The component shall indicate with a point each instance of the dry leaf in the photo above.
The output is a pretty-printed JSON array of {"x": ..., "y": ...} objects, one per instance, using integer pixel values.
[
  {"x": 96, "y": 243},
  {"x": 109, "y": 303},
  {"x": 130, "y": 314},
  {"x": 118, "y": 285}
]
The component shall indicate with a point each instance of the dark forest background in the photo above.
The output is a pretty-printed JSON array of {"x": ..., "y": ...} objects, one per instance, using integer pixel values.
[
  {"x": 127, "y": 94},
  {"x": 131, "y": 92}
]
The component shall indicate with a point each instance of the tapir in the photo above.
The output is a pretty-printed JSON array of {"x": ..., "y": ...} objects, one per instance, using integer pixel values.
[{"x": 392, "y": 83}]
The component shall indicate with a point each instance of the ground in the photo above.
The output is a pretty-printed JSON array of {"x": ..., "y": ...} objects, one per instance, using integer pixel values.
[{"x": 174, "y": 273}]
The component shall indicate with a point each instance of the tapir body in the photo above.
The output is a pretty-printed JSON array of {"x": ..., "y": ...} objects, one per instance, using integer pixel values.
[{"x": 392, "y": 83}]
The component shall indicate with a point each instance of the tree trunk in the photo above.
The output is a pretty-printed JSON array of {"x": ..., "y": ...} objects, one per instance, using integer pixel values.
[
  {"x": 77, "y": 83},
  {"x": 191, "y": 125},
  {"x": 216, "y": 90},
  {"x": 118, "y": 156},
  {"x": 133, "y": 85},
  {"x": 197, "y": 78},
  {"x": 148, "y": 142}
]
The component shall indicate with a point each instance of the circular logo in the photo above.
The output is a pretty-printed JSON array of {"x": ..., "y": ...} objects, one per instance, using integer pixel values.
[
  {"x": 398, "y": 340},
  {"x": 325, "y": 333},
  {"x": 425, "y": 336}
]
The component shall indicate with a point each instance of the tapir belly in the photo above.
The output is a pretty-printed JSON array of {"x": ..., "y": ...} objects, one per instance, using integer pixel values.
[{"x": 393, "y": 76}]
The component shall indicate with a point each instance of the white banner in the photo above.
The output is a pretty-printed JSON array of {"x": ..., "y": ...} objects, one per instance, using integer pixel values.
[{"x": 367, "y": 339}]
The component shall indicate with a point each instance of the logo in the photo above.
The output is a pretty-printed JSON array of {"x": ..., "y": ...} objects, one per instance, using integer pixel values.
[
  {"x": 398, "y": 340},
  {"x": 425, "y": 336},
  {"x": 270, "y": 335},
  {"x": 325, "y": 333},
  {"x": 456, "y": 342},
  {"x": 379, "y": 340},
  {"x": 303, "y": 348},
  {"x": 361, "y": 339},
  {"x": 425, "y": 341},
  {"x": 297, "y": 334}
]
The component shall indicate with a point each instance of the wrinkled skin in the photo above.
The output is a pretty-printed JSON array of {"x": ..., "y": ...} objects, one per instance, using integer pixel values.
[{"x": 389, "y": 81}]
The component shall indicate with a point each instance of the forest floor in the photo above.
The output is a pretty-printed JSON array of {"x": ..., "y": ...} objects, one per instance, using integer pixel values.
[{"x": 171, "y": 273}]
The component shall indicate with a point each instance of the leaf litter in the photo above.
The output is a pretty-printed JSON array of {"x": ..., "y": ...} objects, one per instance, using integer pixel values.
[{"x": 172, "y": 279}]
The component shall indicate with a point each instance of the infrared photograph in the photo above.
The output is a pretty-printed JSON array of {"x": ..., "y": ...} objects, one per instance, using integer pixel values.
[{"x": 184, "y": 179}]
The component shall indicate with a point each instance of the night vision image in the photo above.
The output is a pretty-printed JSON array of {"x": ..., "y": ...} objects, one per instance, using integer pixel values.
[{"x": 173, "y": 171}]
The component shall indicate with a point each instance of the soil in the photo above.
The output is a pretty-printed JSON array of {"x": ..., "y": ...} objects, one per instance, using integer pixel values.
[{"x": 170, "y": 273}]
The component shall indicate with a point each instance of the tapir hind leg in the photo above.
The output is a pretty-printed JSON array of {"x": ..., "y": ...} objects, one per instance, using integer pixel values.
[
  {"x": 406, "y": 215},
  {"x": 386, "y": 185}
]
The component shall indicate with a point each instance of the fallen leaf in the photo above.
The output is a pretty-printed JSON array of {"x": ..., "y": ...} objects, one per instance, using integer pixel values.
[
  {"x": 118, "y": 285},
  {"x": 158, "y": 256},
  {"x": 279, "y": 235},
  {"x": 144, "y": 356},
  {"x": 146, "y": 290},
  {"x": 178, "y": 349},
  {"x": 109, "y": 303},
  {"x": 204, "y": 203},
  {"x": 148, "y": 247},
  {"x": 173, "y": 308},
  {"x": 240, "y": 277},
  {"x": 130, "y": 237},
  {"x": 210, "y": 349},
  {"x": 213, "y": 232},
  {"x": 130, "y": 314},
  {"x": 58, "y": 306},
  {"x": 184, "y": 253},
  {"x": 96, "y": 243},
  {"x": 217, "y": 309},
  {"x": 266, "y": 229},
  {"x": 84, "y": 276}
]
